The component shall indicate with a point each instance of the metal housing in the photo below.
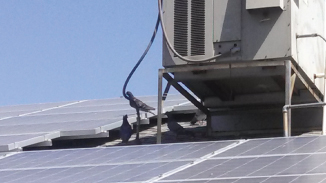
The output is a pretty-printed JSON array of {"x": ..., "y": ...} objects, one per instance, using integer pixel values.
[{"x": 245, "y": 31}]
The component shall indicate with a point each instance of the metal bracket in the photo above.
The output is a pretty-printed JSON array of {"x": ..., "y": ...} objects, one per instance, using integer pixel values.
[
  {"x": 305, "y": 83},
  {"x": 163, "y": 73},
  {"x": 186, "y": 93}
]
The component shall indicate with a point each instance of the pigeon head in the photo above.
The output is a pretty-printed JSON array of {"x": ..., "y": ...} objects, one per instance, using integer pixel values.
[{"x": 129, "y": 94}]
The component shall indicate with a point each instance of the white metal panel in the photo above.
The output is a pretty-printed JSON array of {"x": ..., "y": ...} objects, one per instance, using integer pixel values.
[
  {"x": 7, "y": 147},
  {"x": 227, "y": 20},
  {"x": 30, "y": 141},
  {"x": 80, "y": 132},
  {"x": 309, "y": 18},
  {"x": 257, "y": 4}
]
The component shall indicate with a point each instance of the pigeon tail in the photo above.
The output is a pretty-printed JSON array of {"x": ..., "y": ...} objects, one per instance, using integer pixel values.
[{"x": 135, "y": 102}]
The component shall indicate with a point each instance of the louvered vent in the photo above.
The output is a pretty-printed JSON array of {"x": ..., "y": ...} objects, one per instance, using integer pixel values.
[
  {"x": 197, "y": 27},
  {"x": 181, "y": 27}
]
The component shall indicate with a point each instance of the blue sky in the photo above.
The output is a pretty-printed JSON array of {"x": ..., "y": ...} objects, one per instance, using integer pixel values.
[{"x": 64, "y": 50}]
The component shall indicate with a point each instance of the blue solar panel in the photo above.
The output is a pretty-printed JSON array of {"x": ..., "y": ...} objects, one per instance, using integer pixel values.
[
  {"x": 300, "y": 159},
  {"x": 227, "y": 161},
  {"x": 115, "y": 164},
  {"x": 71, "y": 119}
]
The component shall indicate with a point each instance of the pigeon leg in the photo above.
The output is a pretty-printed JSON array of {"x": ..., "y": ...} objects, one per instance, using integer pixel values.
[{"x": 138, "y": 141}]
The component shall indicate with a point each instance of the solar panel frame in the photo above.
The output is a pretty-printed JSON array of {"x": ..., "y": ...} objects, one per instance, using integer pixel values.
[{"x": 11, "y": 142}]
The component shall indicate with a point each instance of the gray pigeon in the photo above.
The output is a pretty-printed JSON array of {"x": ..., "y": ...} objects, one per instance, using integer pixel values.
[
  {"x": 141, "y": 105},
  {"x": 199, "y": 116},
  {"x": 176, "y": 128},
  {"x": 125, "y": 130}
]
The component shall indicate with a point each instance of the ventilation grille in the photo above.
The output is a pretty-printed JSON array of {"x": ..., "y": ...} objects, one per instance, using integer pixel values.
[
  {"x": 181, "y": 27},
  {"x": 197, "y": 27}
]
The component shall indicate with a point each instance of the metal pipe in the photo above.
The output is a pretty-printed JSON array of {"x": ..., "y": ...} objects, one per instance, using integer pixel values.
[
  {"x": 324, "y": 108},
  {"x": 324, "y": 112},
  {"x": 189, "y": 68},
  {"x": 311, "y": 35},
  {"x": 286, "y": 108},
  {"x": 319, "y": 75},
  {"x": 288, "y": 94},
  {"x": 285, "y": 123},
  {"x": 300, "y": 106},
  {"x": 159, "y": 107}
]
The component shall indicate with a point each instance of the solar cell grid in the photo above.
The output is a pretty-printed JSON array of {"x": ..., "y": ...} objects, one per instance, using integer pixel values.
[
  {"x": 256, "y": 161},
  {"x": 126, "y": 164},
  {"x": 143, "y": 163},
  {"x": 13, "y": 113},
  {"x": 276, "y": 146},
  {"x": 33, "y": 107}
]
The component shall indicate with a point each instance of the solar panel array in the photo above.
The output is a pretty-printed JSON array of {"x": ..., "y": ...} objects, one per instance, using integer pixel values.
[
  {"x": 115, "y": 164},
  {"x": 25, "y": 125},
  {"x": 295, "y": 160}
]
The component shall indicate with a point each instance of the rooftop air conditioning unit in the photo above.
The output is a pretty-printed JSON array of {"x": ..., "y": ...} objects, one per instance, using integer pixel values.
[{"x": 245, "y": 31}]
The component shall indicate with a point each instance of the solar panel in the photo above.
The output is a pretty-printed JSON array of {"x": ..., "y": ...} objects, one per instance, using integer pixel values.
[
  {"x": 70, "y": 119},
  {"x": 297, "y": 159},
  {"x": 300, "y": 159},
  {"x": 114, "y": 164}
]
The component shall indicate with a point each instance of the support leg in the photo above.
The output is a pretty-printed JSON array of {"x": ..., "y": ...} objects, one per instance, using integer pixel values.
[
  {"x": 159, "y": 107},
  {"x": 285, "y": 124},
  {"x": 324, "y": 112},
  {"x": 288, "y": 93},
  {"x": 324, "y": 107}
]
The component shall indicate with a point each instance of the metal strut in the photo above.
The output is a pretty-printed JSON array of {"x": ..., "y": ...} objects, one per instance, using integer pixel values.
[{"x": 163, "y": 73}]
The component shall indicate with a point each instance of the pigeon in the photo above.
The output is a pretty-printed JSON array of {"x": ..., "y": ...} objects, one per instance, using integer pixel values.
[
  {"x": 176, "y": 128},
  {"x": 125, "y": 130},
  {"x": 141, "y": 105},
  {"x": 199, "y": 116}
]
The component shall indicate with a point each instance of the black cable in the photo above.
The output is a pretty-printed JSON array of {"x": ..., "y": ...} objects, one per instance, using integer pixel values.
[{"x": 140, "y": 59}]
